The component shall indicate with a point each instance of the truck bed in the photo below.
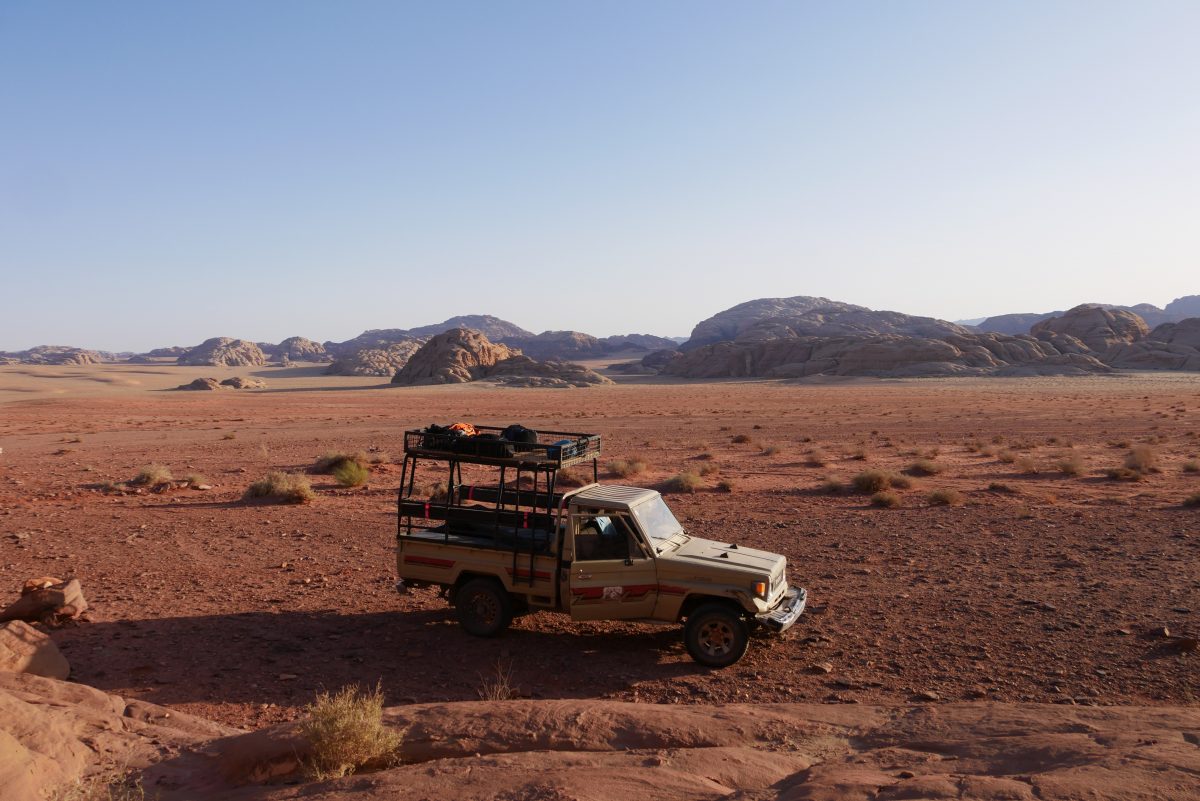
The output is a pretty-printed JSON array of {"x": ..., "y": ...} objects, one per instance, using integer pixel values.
[{"x": 487, "y": 537}]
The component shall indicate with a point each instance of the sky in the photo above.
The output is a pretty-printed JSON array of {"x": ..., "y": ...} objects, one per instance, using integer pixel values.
[{"x": 175, "y": 171}]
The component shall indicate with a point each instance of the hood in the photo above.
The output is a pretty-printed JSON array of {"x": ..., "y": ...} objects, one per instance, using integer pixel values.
[{"x": 723, "y": 554}]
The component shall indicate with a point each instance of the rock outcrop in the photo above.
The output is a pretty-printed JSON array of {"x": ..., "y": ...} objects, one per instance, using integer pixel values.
[
  {"x": 53, "y": 355},
  {"x": 455, "y": 357},
  {"x": 1183, "y": 308},
  {"x": 1096, "y": 327},
  {"x": 24, "y": 649},
  {"x": 299, "y": 349},
  {"x": 558, "y": 345},
  {"x": 381, "y": 361},
  {"x": 242, "y": 382},
  {"x": 464, "y": 355},
  {"x": 226, "y": 352},
  {"x": 1170, "y": 346},
  {"x": 491, "y": 327},
  {"x": 729, "y": 324},
  {"x": 201, "y": 384}
]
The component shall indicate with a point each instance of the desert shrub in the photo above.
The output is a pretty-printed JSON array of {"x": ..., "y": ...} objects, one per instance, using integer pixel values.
[
  {"x": 686, "y": 481},
  {"x": 282, "y": 488},
  {"x": 1124, "y": 474},
  {"x": 625, "y": 468},
  {"x": 1142, "y": 458},
  {"x": 196, "y": 480},
  {"x": 380, "y": 457},
  {"x": 877, "y": 480},
  {"x": 498, "y": 685},
  {"x": 973, "y": 447},
  {"x": 118, "y": 786},
  {"x": 988, "y": 451},
  {"x": 1006, "y": 457},
  {"x": 434, "y": 491},
  {"x": 832, "y": 485},
  {"x": 725, "y": 485},
  {"x": 571, "y": 478},
  {"x": 345, "y": 732},
  {"x": 709, "y": 469},
  {"x": 1070, "y": 464},
  {"x": 706, "y": 456},
  {"x": 816, "y": 458},
  {"x": 351, "y": 474},
  {"x": 1191, "y": 466},
  {"x": 153, "y": 475},
  {"x": 740, "y": 439},
  {"x": 1192, "y": 500},
  {"x": 998, "y": 486},
  {"x": 924, "y": 467},
  {"x": 229, "y": 436},
  {"x": 771, "y": 450},
  {"x": 885, "y": 500},
  {"x": 1027, "y": 465},
  {"x": 330, "y": 461},
  {"x": 946, "y": 497}
]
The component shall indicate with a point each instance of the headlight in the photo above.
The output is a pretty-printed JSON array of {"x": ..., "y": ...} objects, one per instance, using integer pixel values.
[{"x": 760, "y": 589}]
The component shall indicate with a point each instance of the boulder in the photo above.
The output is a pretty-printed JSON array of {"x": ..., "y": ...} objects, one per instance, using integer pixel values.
[
  {"x": 24, "y": 649},
  {"x": 1096, "y": 327},
  {"x": 522, "y": 371},
  {"x": 384, "y": 361},
  {"x": 223, "y": 351},
  {"x": 457, "y": 356},
  {"x": 239, "y": 382},
  {"x": 201, "y": 384},
  {"x": 47, "y": 600}
]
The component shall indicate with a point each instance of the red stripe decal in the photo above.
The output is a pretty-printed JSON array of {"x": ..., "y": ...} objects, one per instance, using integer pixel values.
[{"x": 428, "y": 560}]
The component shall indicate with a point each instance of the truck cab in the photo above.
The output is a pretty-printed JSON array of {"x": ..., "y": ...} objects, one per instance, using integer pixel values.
[{"x": 599, "y": 552}]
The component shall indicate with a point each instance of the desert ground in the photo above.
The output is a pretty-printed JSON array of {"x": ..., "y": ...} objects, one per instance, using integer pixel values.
[{"x": 1039, "y": 585}]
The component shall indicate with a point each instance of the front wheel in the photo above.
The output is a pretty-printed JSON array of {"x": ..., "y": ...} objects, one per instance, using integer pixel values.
[
  {"x": 483, "y": 607},
  {"x": 716, "y": 636}
]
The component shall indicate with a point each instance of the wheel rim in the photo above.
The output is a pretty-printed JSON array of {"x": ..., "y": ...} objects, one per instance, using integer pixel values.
[
  {"x": 484, "y": 607},
  {"x": 716, "y": 638}
]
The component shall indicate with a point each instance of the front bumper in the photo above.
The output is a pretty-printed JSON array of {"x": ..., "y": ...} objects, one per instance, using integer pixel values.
[{"x": 789, "y": 610}]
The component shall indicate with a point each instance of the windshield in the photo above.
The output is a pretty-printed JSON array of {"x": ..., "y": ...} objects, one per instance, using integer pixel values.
[{"x": 657, "y": 521}]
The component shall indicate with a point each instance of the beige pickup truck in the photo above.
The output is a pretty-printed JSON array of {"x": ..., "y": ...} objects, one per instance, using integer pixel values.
[{"x": 598, "y": 552}]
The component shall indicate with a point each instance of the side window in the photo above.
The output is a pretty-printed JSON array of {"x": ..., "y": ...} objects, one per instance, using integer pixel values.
[{"x": 601, "y": 537}]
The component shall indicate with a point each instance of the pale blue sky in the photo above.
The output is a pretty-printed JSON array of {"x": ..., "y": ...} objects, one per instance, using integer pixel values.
[{"x": 174, "y": 171}]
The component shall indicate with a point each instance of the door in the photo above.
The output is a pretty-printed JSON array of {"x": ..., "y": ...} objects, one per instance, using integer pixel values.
[{"x": 611, "y": 574}]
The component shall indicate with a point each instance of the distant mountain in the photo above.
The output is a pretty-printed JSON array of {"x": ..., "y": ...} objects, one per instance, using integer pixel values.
[
  {"x": 729, "y": 324},
  {"x": 1022, "y": 322},
  {"x": 491, "y": 327}
]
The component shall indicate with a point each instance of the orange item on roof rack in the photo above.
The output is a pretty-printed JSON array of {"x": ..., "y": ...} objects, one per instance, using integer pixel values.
[{"x": 467, "y": 429}]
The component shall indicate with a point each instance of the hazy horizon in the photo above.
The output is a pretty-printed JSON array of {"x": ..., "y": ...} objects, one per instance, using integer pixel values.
[{"x": 173, "y": 172}]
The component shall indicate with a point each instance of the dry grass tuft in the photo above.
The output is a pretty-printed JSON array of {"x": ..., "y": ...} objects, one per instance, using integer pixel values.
[
  {"x": 946, "y": 497},
  {"x": 329, "y": 462},
  {"x": 872, "y": 481},
  {"x": 885, "y": 500},
  {"x": 740, "y": 439},
  {"x": 118, "y": 786},
  {"x": 1071, "y": 464},
  {"x": 1191, "y": 466},
  {"x": 725, "y": 485},
  {"x": 771, "y": 450},
  {"x": 833, "y": 485},
  {"x": 924, "y": 467},
  {"x": 1027, "y": 465},
  {"x": 1142, "y": 458},
  {"x": 567, "y": 477},
  {"x": 816, "y": 458},
  {"x": 153, "y": 475},
  {"x": 1192, "y": 501},
  {"x": 281, "y": 488},
  {"x": 626, "y": 468},
  {"x": 998, "y": 486},
  {"x": 1124, "y": 474},
  {"x": 497, "y": 686},
  {"x": 345, "y": 732},
  {"x": 712, "y": 468},
  {"x": 351, "y": 474},
  {"x": 195, "y": 480},
  {"x": 686, "y": 481},
  {"x": 1006, "y": 457}
]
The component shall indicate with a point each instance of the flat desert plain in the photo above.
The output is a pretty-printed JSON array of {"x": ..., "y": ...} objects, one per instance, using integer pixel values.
[{"x": 1046, "y": 582}]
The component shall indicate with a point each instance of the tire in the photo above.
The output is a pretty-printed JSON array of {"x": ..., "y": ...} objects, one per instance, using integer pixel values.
[
  {"x": 483, "y": 607},
  {"x": 716, "y": 636}
]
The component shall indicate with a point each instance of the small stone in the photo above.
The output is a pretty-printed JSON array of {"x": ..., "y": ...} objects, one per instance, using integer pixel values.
[
  {"x": 287, "y": 676},
  {"x": 1161, "y": 631},
  {"x": 906, "y": 774},
  {"x": 822, "y": 667},
  {"x": 928, "y": 695}
]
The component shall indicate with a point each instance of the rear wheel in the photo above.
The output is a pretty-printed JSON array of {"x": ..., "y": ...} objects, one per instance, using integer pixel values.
[
  {"x": 716, "y": 636},
  {"x": 483, "y": 607}
]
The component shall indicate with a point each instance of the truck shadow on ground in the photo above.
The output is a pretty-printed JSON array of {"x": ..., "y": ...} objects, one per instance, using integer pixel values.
[{"x": 286, "y": 657}]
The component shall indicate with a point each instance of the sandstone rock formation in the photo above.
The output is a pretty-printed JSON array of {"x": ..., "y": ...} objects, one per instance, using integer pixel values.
[
  {"x": 382, "y": 361},
  {"x": 491, "y": 327},
  {"x": 1096, "y": 327},
  {"x": 201, "y": 384},
  {"x": 557, "y": 345},
  {"x": 620, "y": 342},
  {"x": 463, "y": 355},
  {"x": 223, "y": 351},
  {"x": 24, "y": 649},
  {"x": 834, "y": 322},
  {"x": 729, "y": 324},
  {"x": 454, "y": 357},
  {"x": 1170, "y": 346},
  {"x": 1183, "y": 308},
  {"x": 53, "y": 355},
  {"x": 240, "y": 382},
  {"x": 173, "y": 352},
  {"x": 299, "y": 349}
]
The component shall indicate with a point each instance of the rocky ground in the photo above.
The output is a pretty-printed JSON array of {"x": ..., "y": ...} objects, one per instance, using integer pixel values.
[{"x": 1043, "y": 587}]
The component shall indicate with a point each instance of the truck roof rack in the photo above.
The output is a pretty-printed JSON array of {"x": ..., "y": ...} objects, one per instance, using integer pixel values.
[{"x": 504, "y": 509}]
